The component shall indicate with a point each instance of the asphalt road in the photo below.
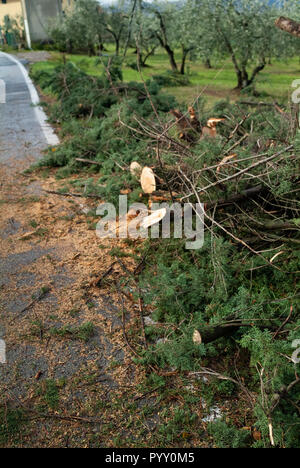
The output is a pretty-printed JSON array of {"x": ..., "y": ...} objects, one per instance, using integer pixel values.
[{"x": 24, "y": 131}]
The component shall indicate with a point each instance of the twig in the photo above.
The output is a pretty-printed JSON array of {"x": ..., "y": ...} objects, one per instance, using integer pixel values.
[
  {"x": 70, "y": 194},
  {"x": 105, "y": 274},
  {"x": 88, "y": 161}
]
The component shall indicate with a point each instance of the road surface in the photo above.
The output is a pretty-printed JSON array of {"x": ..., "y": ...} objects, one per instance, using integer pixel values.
[{"x": 24, "y": 131}]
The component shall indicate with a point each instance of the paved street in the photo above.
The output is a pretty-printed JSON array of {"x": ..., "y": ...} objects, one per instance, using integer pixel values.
[{"x": 23, "y": 130}]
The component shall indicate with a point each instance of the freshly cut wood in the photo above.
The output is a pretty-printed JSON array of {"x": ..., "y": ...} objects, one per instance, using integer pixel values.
[
  {"x": 288, "y": 25},
  {"x": 148, "y": 182},
  {"x": 210, "y": 130},
  {"x": 225, "y": 160},
  {"x": 135, "y": 169},
  {"x": 154, "y": 218},
  {"x": 194, "y": 119},
  {"x": 212, "y": 122}
]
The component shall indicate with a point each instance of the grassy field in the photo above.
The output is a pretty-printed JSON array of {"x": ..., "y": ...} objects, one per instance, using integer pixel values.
[{"x": 273, "y": 83}]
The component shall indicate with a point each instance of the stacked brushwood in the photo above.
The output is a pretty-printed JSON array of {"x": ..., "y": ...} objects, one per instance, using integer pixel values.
[
  {"x": 246, "y": 175},
  {"x": 249, "y": 184},
  {"x": 238, "y": 295}
]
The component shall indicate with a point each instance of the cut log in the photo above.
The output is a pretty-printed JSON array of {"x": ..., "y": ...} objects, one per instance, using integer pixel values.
[
  {"x": 288, "y": 25},
  {"x": 211, "y": 129},
  {"x": 148, "y": 182},
  {"x": 184, "y": 125},
  {"x": 209, "y": 333},
  {"x": 136, "y": 169}
]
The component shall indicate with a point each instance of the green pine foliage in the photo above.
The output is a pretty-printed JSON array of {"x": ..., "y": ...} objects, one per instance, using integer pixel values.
[
  {"x": 226, "y": 436},
  {"x": 96, "y": 117},
  {"x": 100, "y": 120}
]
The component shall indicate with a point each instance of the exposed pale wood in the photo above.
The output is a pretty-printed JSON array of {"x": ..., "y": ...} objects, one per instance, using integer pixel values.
[
  {"x": 288, "y": 25},
  {"x": 148, "y": 182},
  {"x": 135, "y": 169}
]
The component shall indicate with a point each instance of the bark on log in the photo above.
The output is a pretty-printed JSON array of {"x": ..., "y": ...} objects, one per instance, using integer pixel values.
[
  {"x": 288, "y": 25},
  {"x": 209, "y": 333},
  {"x": 245, "y": 194}
]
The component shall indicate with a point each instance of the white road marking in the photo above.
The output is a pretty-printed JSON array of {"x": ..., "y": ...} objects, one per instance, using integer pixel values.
[
  {"x": 2, "y": 92},
  {"x": 2, "y": 352},
  {"x": 51, "y": 137}
]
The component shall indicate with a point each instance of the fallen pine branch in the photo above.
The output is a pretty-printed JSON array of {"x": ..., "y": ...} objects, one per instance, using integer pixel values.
[
  {"x": 245, "y": 194},
  {"x": 210, "y": 333},
  {"x": 243, "y": 171}
]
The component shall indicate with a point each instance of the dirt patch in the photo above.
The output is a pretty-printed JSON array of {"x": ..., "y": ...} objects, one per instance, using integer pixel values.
[
  {"x": 72, "y": 333},
  {"x": 33, "y": 56}
]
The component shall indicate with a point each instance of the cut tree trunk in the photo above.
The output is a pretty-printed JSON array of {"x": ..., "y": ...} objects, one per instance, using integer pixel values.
[
  {"x": 209, "y": 333},
  {"x": 288, "y": 25}
]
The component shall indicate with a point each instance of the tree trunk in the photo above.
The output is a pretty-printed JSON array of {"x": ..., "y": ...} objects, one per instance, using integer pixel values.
[
  {"x": 117, "y": 46},
  {"x": 147, "y": 55},
  {"x": 163, "y": 40},
  {"x": 207, "y": 63},
  {"x": 184, "y": 56},
  {"x": 257, "y": 70},
  {"x": 240, "y": 79},
  {"x": 244, "y": 195},
  {"x": 288, "y": 25},
  {"x": 171, "y": 55},
  {"x": 243, "y": 77}
]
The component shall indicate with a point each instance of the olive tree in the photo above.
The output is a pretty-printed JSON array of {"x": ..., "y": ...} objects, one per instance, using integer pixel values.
[
  {"x": 81, "y": 29},
  {"x": 246, "y": 32},
  {"x": 174, "y": 26},
  {"x": 144, "y": 38},
  {"x": 115, "y": 23}
]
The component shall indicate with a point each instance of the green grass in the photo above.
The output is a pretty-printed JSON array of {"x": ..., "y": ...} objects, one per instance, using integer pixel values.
[
  {"x": 11, "y": 424},
  {"x": 84, "y": 332},
  {"x": 273, "y": 83},
  {"x": 49, "y": 391}
]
